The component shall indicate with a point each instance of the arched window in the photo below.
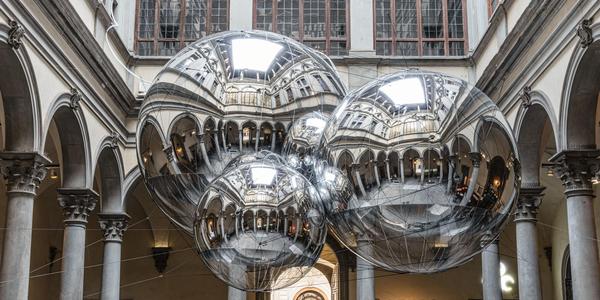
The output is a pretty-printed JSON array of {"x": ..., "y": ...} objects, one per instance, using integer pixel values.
[
  {"x": 320, "y": 24},
  {"x": 166, "y": 26},
  {"x": 420, "y": 27}
]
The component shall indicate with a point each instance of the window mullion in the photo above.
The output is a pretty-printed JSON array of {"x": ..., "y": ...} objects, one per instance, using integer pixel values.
[
  {"x": 465, "y": 28},
  {"x": 393, "y": 24},
  {"x": 327, "y": 26},
  {"x": 156, "y": 26},
  {"x": 300, "y": 20},
  {"x": 445, "y": 30},
  {"x": 274, "y": 9},
  {"x": 208, "y": 17},
  {"x": 419, "y": 29},
  {"x": 181, "y": 38}
]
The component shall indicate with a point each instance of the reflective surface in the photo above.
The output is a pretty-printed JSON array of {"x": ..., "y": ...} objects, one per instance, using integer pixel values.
[
  {"x": 257, "y": 221},
  {"x": 418, "y": 170},
  {"x": 301, "y": 142},
  {"x": 227, "y": 94}
]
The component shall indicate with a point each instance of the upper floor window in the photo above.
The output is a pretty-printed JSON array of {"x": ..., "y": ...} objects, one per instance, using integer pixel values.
[
  {"x": 420, "y": 27},
  {"x": 492, "y": 5},
  {"x": 166, "y": 26},
  {"x": 320, "y": 24}
]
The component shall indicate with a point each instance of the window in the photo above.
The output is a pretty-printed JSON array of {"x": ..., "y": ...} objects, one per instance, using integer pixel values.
[
  {"x": 492, "y": 5},
  {"x": 166, "y": 26},
  {"x": 420, "y": 27},
  {"x": 322, "y": 83},
  {"x": 304, "y": 87},
  {"x": 320, "y": 24}
]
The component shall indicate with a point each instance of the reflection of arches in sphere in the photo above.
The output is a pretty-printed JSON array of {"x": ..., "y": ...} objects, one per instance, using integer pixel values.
[
  {"x": 151, "y": 151},
  {"x": 280, "y": 135},
  {"x": 394, "y": 162},
  {"x": 211, "y": 138},
  {"x": 213, "y": 226},
  {"x": 266, "y": 135},
  {"x": 380, "y": 164},
  {"x": 430, "y": 164},
  {"x": 248, "y": 135},
  {"x": 411, "y": 160},
  {"x": 345, "y": 163},
  {"x": 232, "y": 136},
  {"x": 461, "y": 149},
  {"x": 184, "y": 139},
  {"x": 495, "y": 183},
  {"x": 366, "y": 169},
  {"x": 310, "y": 294}
]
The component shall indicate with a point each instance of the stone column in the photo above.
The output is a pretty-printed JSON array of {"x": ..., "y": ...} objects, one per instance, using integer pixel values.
[
  {"x": 441, "y": 171},
  {"x": 172, "y": 165},
  {"x": 490, "y": 264},
  {"x": 113, "y": 225},
  {"x": 365, "y": 274},
  {"x": 203, "y": 151},
  {"x": 402, "y": 170},
  {"x": 576, "y": 167},
  {"x": 451, "y": 162},
  {"x": 223, "y": 138},
  {"x": 356, "y": 169},
  {"x": 216, "y": 137},
  {"x": 422, "y": 180},
  {"x": 77, "y": 204},
  {"x": 376, "y": 173},
  {"x": 237, "y": 273},
  {"x": 387, "y": 169},
  {"x": 475, "y": 158},
  {"x": 241, "y": 136},
  {"x": 343, "y": 275},
  {"x": 257, "y": 139},
  {"x": 23, "y": 173},
  {"x": 273, "y": 138},
  {"x": 527, "y": 248}
]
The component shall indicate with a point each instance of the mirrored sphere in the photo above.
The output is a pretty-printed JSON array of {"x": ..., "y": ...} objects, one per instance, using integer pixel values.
[
  {"x": 418, "y": 170},
  {"x": 256, "y": 222},
  {"x": 301, "y": 143},
  {"x": 227, "y": 94}
]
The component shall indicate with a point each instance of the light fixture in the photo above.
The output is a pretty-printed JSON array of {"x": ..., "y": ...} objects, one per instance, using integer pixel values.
[
  {"x": 53, "y": 174},
  {"x": 496, "y": 182},
  {"x": 179, "y": 150},
  {"x": 253, "y": 54},
  {"x": 596, "y": 179},
  {"x": 550, "y": 172},
  {"x": 405, "y": 91},
  {"x": 263, "y": 175}
]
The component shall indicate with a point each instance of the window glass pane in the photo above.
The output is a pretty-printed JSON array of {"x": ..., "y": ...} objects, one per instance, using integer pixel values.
[
  {"x": 433, "y": 48},
  {"x": 264, "y": 15},
  {"x": 406, "y": 18},
  {"x": 218, "y": 16},
  {"x": 383, "y": 19},
  {"x": 338, "y": 48},
  {"x": 169, "y": 19},
  {"x": 146, "y": 48},
  {"x": 433, "y": 22},
  {"x": 455, "y": 19},
  {"x": 383, "y": 48},
  {"x": 146, "y": 13},
  {"x": 168, "y": 48},
  {"x": 317, "y": 45},
  {"x": 406, "y": 49},
  {"x": 338, "y": 18},
  {"x": 457, "y": 48},
  {"x": 288, "y": 15},
  {"x": 195, "y": 19},
  {"x": 314, "y": 18}
]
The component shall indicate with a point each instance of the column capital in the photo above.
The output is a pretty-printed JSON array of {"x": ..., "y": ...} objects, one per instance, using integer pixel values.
[
  {"x": 575, "y": 169},
  {"x": 488, "y": 239},
  {"x": 168, "y": 150},
  {"x": 530, "y": 198},
  {"x": 113, "y": 225},
  {"x": 23, "y": 171},
  {"x": 77, "y": 204},
  {"x": 475, "y": 158}
]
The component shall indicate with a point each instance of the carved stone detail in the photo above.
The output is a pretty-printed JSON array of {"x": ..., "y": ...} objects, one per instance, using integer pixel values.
[
  {"x": 15, "y": 34},
  {"x": 529, "y": 201},
  {"x": 23, "y": 171},
  {"x": 77, "y": 204},
  {"x": 114, "y": 140},
  {"x": 169, "y": 152},
  {"x": 576, "y": 168},
  {"x": 584, "y": 32},
  {"x": 113, "y": 226},
  {"x": 525, "y": 96},
  {"x": 74, "y": 99},
  {"x": 475, "y": 158}
]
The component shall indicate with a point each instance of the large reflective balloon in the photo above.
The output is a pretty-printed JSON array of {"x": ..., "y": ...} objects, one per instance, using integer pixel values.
[
  {"x": 418, "y": 169},
  {"x": 257, "y": 221},
  {"x": 301, "y": 143},
  {"x": 227, "y": 94}
]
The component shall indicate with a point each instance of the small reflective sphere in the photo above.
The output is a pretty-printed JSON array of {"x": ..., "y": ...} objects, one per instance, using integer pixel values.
[
  {"x": 257, "y": 221},
  {"x": 418, "y": 170},
  {"x": 224, "y": 95},
  {"x": 301, "y": 142}
]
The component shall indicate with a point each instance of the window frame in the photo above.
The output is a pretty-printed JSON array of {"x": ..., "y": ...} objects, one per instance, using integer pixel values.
[
  {"x": 327, "y": 39},
  {"x": 420, "y": 40},
  {"x": 156, "y": 40}
]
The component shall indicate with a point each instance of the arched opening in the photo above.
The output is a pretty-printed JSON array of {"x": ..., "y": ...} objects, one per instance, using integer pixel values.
[
  {"x": 184, "y": 139},
  {"x": 266, "y": 136},
  {"x": 381, "y": 166},
  {"x": 211, "y": 140},
  {"x": 108, "y": 177},
  {"x": 431, "y": 166},
  {"x": 232, "y": 137},
  {"x": 280, "y": 135},
  {"x": 411, "y": 160},
  {"x": 248, "y": 136},
  {"x": 394, "y": 161},
  {"x": 366, "y": 170},
  {"x": 154, "y": 159},
  {"x": 460, "y": 151},
  {"x": 567, "y": 280}
]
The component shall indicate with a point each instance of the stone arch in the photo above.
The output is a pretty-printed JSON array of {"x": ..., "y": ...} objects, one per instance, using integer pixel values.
[
  {"x": 19, "y": 99},
  {"x": 151, "y": 145},
  {"x": 249, "y": 129},
  {"x": 535, "y": 121},
  {"x": 345, "y": 158},
  {"x": 460, "y": 143},
  {"x": 280, "y": 135},
  {"x": 185, "y": 115},
  {"x": 109, "y": 170},
  {"x": 184, "y": 138},
  {"x": 410, "y": 157},
  {"x": 430, "y": 161},
  {"x": 232, "y": 130},
  {"x": 266, "y": 135},
  {"x": 74, "y": 143},
  {"x": 580, "y": 96}
]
